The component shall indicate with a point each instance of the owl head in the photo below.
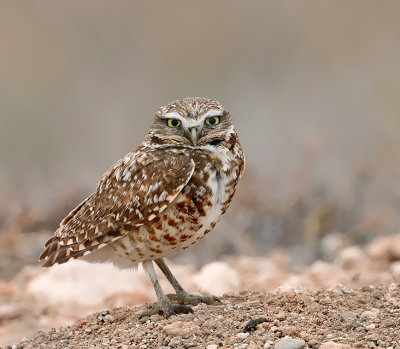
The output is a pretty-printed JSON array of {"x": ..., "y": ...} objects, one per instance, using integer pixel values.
[{"x": 196, "y": 122}]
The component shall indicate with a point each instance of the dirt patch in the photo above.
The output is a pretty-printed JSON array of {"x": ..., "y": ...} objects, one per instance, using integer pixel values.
[{"x": 356, "y": 318}]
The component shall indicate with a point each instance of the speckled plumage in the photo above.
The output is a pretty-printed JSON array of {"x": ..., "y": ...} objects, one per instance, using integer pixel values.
[{"x": 160, "y": 198}]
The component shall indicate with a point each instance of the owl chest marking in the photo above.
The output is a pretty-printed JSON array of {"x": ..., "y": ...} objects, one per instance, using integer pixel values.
[
  {"x": 214, "y": 178},
  {"x": 194, "y": 212}
]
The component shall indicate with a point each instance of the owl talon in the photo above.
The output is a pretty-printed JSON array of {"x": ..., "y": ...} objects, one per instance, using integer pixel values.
[
  {"x": 167, "y": 309},
  {"x": 186, "y": 298}
]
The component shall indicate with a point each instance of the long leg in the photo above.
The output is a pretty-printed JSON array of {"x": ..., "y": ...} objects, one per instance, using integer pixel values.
[
  {"x": 181, "y": 295},
  {"x": 163, "y": 305}
]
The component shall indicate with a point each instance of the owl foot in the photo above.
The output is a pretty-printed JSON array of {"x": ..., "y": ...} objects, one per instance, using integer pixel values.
[
  {"x": 166, "y": 308},
  {"x": 186, "y": 298}
]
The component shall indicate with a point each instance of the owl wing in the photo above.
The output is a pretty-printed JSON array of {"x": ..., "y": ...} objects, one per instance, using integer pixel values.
[{"x": 135, "y": 190}]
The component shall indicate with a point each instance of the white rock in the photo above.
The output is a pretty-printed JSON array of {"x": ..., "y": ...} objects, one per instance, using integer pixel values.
[
  {"x": 212, "y": 346},
  {"x": 395, "y": 268},
  {"x": 333, "y": 345},
  {"x": 351, "y": 257},
  {"x": 217, "y": 278},
  {"x": 370, "y": 327},
  {"x": 369, "y": 314},
  {"x": 242, "y": 335},
  {"x": 78, "y": 282},
  {"x": 290, "y": 343}
]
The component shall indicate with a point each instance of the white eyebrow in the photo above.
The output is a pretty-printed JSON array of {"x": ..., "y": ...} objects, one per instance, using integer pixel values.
[
  {"x": 193, "y": 122},
  {"x": 174, "y": 114},
  {"x": 212, "y": 112}
]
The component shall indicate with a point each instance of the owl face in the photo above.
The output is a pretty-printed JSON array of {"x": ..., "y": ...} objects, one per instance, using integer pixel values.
[{"x": 196, "y": 122}]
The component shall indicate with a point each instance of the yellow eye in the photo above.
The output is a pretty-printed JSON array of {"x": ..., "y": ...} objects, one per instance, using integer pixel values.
[
  {"x": 174, "y": 123},
  {"x": 213, "y": 120}
]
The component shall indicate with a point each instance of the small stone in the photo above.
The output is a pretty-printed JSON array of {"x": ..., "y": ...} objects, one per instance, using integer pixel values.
[
  {"x": 351, "y": 258},
  {"x": 253, "y": 323},
  {"x": 253, "y": 345},
  {"x": 102, "y": 315},
  {"x": 373, "y": 337},
  {"x": 176, "y": 341},
  {"x": 242, "y": 335},
  {"x": 349, "y": 316},
  {"x": 290, "y": 343},
  {"x": 212, "y": 346},
  {"x": 333, "y": 345},
  {"x": 369, "y": 314},
  {"x": 312, "y": 342},
  {"x": 370, "y": 327},
  {"x": 88, "y": 330},
  {"x": 109, "y": 318},
  {"x": 281, "y": 316},
  {"x": 267, "y": 345},
  {"x": 274, "y": 328},
  {"x": 240, "y": 346},
  {"x": 181, "y": 329}
]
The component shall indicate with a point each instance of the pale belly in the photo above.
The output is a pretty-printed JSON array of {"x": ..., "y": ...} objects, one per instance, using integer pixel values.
[{"x": 181, "y": 225}]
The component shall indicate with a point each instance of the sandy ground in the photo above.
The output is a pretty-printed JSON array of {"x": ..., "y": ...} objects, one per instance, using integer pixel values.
[
  {"x": 339, "y": 301},
  {"x": 335, "y": 318}
]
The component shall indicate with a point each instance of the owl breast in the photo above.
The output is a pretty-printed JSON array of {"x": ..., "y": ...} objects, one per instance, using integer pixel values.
[{"x": 193, "y": 213}]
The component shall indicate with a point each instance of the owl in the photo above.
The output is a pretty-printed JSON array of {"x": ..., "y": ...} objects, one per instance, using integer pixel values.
[{"x": 159, "y": 199}]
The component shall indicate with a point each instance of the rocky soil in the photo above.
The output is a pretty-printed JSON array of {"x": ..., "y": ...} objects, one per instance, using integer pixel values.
[
  {"x": 286, "y": 319},
  {"x": 351, "y": 302}
]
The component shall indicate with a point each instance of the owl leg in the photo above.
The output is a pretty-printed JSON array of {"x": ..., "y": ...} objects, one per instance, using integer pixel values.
[
  {"x": 181, "y": 296},
  {"x": 164, "y": 305}
]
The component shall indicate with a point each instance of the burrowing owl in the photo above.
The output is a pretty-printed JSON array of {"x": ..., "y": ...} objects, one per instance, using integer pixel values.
[{"x": 159, "y": 199}]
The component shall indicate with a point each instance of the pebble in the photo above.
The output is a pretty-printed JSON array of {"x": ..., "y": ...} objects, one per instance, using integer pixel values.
[
  {"x": 212, "y": 346},
  {"x": 290, "y": 343},
  {"x": 242, "y": 335},
  {"x": 370, "y": 327},
  {"x": 333, "y": 345},
  {"x": 240, "y": 346},
  {"x": 181, "y": 329},
  {"x": 253, "y": 345},
  {"x": 349, "y": 316},
  {"x": 274, "y": 328},
  {"x": 176, "y": 341},
  {"x": 109, "y": 318},
  {"x": 369, "y": 314},
  {"x": 281, "y": 316},
  {"x": 312, "y": 342}
]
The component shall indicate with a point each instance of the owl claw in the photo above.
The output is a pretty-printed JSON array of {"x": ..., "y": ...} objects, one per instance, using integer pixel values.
[
  {"x": 186, "y": 298},
  {"x": 167, "y": 309}
]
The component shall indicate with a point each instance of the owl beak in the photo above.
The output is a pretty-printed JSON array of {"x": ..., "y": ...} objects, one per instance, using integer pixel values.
[{"x": 193, "y": 135}]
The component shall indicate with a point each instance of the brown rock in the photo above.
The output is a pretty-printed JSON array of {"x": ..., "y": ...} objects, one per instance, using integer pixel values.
[
  {"x": 254, "y": 345},
  {"x": 181, "y": 329},
  {"x": 386, "y": 248}
]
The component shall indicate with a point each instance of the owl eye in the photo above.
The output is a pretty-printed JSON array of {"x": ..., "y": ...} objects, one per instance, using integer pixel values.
[
  {"x": 213, "y": 120},
  {"x": 173, "y": 123}
]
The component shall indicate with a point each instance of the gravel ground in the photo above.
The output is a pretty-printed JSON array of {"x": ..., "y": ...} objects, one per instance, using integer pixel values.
[{"x": 367, "y": 317}]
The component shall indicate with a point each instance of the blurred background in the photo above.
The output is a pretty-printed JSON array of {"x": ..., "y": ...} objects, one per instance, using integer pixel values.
[{"x": 313, "y": 87}]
